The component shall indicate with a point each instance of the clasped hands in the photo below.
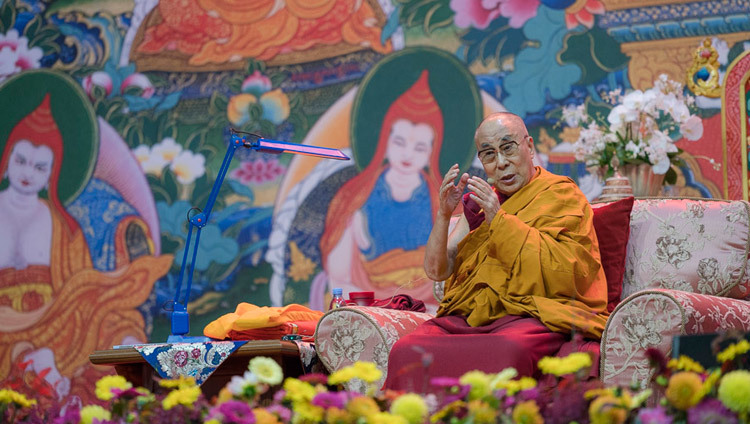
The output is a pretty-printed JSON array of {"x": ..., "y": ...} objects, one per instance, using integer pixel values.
[{"x": 451, "y": 193}]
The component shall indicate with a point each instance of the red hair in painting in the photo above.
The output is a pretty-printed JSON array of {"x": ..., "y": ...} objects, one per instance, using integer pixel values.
[
  {"x": 417, "y": 105},
  {"x": 40, "y": 129}
]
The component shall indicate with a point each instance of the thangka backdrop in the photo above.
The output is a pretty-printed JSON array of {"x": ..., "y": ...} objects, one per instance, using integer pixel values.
[{"x": 116, "y": 117}]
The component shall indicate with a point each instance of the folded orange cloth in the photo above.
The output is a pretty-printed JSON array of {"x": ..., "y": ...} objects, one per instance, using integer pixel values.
[
  {"x": 302, "y": 328},
  {"x": 248, "y": 316}
]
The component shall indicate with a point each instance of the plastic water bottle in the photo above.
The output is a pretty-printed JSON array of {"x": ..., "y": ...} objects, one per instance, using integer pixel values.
[{"x": 338, "y": 299}]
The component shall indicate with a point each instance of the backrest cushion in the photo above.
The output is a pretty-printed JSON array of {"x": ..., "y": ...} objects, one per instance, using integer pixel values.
[
  {"x": 698, "y": 246},
  {"x": 612, "y": 226}
]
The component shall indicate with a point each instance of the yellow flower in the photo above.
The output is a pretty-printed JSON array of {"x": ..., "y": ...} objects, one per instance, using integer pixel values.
[
  {"x": 503, "y": 376},
  {"x": 266, "y": 369},
  {"x": 410, "y": 406},
  {"x": 710, "y": 382},
  {"x": 479, "y": 382},
  {"x": 298, "y": 390},
  {"x": 447, "y": 410},
  {"x": 527, "y": 413},
  {"x": 481, "y": 412},
  {"x": 684, "y": 390},
  {"x": 180, "y": 383},
  {"x": 308, "y": 412},
  {"x": 362, "y": 406},
  {"x": 183, "y": 396},
  {"x": 11, "y": 396},
  {"x": 105, "y": 385},
  {"x": 567, "y": 365},
  {"x": 733, "y": 350},
  {"x": 302, "y": 266},
  {"x": 264, "y": 417},
  {"x": 91, "y": 412},
  {"x": 212, "y": 421},
  {"x": 734, "y": 391},
  {"x": 386, "y": 418},
  {"x": 514, "y": 386},
  {"x": 337, "y": 416},
  {"x": 366, "y": 371},
  {"x": 607, "y": 410},
  {"x": 684, "y": 363}
]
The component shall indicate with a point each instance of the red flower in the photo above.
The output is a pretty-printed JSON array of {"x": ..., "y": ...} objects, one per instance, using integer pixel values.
[{"x": 180, "y": 358}]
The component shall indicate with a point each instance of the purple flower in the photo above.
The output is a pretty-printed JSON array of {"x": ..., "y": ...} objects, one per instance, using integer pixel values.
[
  {"x": 710, "y": 411},
  {"x": 233, "y": 411},
  {"x": 68, "y": 416},
  {"x": 656, "y": 415},
  {"x": 284, "y": 414},
  {"x": 314, "y": 378},
  {"x": 529, "y": 394},
  {"x": 180, "y": 358},
  {"x": 444, "y": 382},
  {"x": 330, "y": 399}
]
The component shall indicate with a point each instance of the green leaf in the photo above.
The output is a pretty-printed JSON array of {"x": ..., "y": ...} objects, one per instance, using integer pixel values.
[
  {"x": 429, "y": 14},
  {"x": 255, "y": 65},
  {"x": 595, "y": 52},
  {"x": 218, "y": 103},
  {"x": 234, "y": 85},
  {"x": 277, "y": 79},
  {"x": 7, "y": 15},
  {"x": 32, "y": 27},
  {"x": 671, "y": 176}
]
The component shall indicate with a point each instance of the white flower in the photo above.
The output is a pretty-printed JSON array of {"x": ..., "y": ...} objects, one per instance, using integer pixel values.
[
  {"x": 692, "y": 128},
  {"x": 97, "y": 79},
  {"x": 15, "y": 54},
  {"x": 168, "y": 149},
  {"x": 141, "y": 81},
  {"x": 142, "y": 153},
  {"x": 237, "y": 385},
  {"x": 188, "y": 166},
  {"x": 633, "y": 148},
  {"x": 574, "y": 115},
  {"x": 622, "y": 114},
  {"x": 153, "y": 165}
]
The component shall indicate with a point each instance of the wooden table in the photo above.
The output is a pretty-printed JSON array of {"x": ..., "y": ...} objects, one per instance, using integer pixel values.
[{"x": 131, "y": 365}]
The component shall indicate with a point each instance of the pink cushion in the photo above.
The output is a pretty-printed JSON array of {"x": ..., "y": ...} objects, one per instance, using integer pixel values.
[{"x": 612, "y": 226}]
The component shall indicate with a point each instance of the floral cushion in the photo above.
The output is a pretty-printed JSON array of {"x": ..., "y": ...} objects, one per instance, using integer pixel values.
[
  {"x": 362, "y": 333},
  {"x": 698, "y": 246},
  {"x": 650, "y": 319}
]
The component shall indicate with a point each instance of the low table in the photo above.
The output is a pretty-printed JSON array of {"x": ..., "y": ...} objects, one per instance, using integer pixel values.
[{"x": 131, "y": 365}]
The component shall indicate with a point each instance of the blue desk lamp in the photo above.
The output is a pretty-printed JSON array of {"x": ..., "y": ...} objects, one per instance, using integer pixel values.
[{"x": 180, "y": 319}]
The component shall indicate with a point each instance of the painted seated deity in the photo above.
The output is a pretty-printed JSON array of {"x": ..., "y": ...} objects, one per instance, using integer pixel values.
[
  {"x": 379, "y": 221},
  {"x": 71, "y": 279}
]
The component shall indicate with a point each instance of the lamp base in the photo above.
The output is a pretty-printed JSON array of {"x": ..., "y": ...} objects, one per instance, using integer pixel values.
[{"x": 174, "y": 338}]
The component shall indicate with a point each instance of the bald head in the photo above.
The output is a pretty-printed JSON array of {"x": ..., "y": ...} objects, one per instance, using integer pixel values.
[
  {"x": 501, "y": 124},
  {"x": 512, "y": 170}
]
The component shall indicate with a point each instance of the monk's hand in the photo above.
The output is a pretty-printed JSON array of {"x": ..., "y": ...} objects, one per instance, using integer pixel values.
[
  {"x": 485, "y": 196},
  {"x": 450, "y": 193}
]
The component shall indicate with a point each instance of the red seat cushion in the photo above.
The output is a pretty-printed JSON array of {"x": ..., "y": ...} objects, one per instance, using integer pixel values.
[{"x": 612, "y": 226}]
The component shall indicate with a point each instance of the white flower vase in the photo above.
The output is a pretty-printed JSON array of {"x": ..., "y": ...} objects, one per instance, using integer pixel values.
[{"x": 642, "y": 179}]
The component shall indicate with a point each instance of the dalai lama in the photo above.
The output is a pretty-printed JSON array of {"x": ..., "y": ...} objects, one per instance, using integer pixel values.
[{"x": 522, "y": 268}]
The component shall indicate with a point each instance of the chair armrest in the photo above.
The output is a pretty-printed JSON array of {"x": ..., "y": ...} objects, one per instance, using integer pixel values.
[
  {"x": 651, "y": 318},
  {"x": 362, "y": 333}
]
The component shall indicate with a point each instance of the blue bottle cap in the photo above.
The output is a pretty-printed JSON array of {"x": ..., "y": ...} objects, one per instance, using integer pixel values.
[{"x": 339, "y": 292}]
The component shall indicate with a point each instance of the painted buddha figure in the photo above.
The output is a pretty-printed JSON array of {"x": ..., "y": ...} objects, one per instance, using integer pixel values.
[
  {"x": 55, "y": 306},
  {"x": 379, "y": 221}
]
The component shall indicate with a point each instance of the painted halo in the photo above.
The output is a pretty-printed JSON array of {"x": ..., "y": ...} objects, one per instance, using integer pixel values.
[
  {"x": 452, "y": 85},
  {"x": 73, "y": 114}
]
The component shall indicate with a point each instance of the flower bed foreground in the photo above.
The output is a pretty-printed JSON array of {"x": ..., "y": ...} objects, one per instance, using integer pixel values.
[{"x": 682, "y": 392}]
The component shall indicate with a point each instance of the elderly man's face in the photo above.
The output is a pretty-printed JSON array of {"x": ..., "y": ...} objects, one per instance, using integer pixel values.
[{"x": 507, "y": 153}]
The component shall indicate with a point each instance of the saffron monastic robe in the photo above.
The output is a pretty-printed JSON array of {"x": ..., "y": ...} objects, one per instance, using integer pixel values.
[
  {"x": 539, "y": 257},
  {"x": 520, "y": 284}
]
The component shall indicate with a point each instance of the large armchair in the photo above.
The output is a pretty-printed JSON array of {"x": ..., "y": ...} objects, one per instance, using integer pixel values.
[{"x": 686, "y": 272}]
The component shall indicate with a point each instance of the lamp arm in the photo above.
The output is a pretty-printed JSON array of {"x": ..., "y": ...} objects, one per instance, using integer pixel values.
[{"x": 180, "y": 319}]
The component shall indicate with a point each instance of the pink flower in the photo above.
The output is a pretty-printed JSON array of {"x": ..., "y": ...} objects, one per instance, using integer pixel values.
[
  {"x": 196, "y": 353},
  {"x": 257, "y": 171},
  {"x": 256, "y": 84},
  {"x": 100, "y": 79},
  {"x": 141, "y": 81},
  {"x": 15, "y": 54},
  {"x": 180, "y": 358},
  {"x": 582, "y": 12},
  {"x": 479, "y": 13}
]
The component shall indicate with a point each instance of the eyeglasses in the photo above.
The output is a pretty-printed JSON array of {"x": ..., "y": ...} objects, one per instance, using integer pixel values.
[{"x": 508, "y": 150}]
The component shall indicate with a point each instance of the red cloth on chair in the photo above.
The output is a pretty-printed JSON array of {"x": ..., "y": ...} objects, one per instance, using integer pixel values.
[{"x": 449, "y": 347}]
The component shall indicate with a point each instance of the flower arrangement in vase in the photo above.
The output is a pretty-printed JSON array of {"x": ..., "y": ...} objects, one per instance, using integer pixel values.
[{"x": 641, "y": 128}]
